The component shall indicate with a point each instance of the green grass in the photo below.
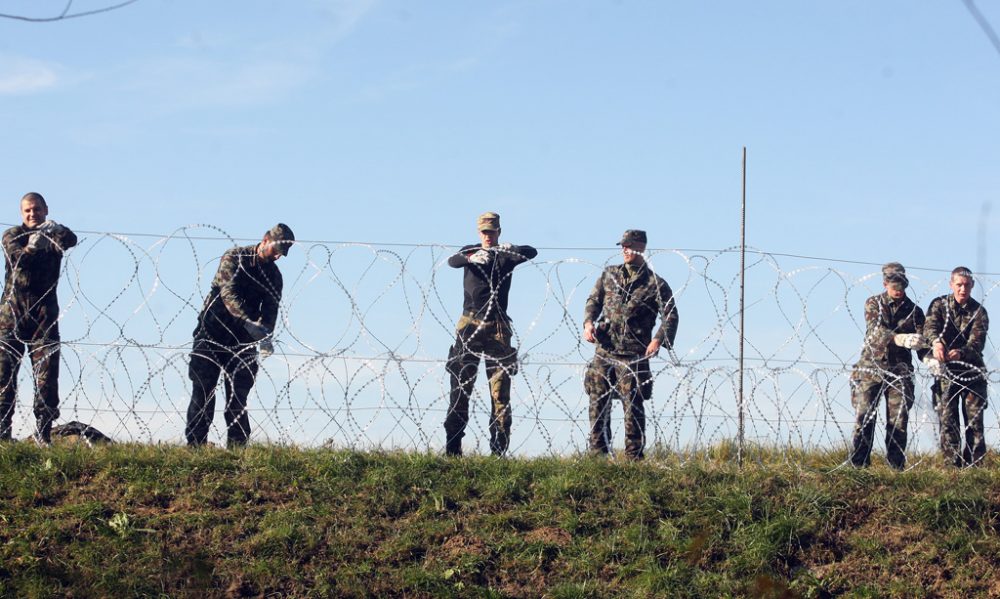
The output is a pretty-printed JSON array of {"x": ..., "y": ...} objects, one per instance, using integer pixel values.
[{"x": 131, "y": 520}]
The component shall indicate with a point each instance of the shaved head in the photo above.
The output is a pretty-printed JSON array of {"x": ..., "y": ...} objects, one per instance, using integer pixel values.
[{"x": 35, "y": 197}]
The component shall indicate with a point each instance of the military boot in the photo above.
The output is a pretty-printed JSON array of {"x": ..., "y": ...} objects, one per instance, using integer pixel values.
[
  {"x": 43, "y": 436},
  {"x": 453, "y": 447}
]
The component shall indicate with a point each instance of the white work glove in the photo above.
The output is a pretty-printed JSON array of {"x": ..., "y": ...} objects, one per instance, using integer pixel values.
[
  {"x": 933, "y": 366},
  {"x": 481, "y": 257},
  {"x": 265, "y": 348},
  {"x": 506, "y": 247},
  {"x": 43, "y": 236},
  {"x": 37, "y": 241},
  {"x": 911, "y": 340},
  {"x": 51, "y": 227},
  {"x": 256, "y": 330}
]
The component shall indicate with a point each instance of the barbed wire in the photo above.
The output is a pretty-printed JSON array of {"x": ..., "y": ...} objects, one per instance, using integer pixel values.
[
  {"x": 455, "y": 245},
  {"x": 364, "y": 330},
  {"x": 397, "y": 244}
]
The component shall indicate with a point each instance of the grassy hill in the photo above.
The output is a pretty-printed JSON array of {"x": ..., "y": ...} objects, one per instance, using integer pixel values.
[{"x": 130, "y": 520}]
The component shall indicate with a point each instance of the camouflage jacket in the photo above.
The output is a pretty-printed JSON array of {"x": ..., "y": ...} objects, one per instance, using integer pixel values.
[
  {"x": 244, "y": 288},
  {"x": 487, "y": 286},
  {"x": 624, "y": 311},
  {"x": 29, "y": 294},
  {"x": 959, "y": 327},
  {"x": 885, "y": 318}
]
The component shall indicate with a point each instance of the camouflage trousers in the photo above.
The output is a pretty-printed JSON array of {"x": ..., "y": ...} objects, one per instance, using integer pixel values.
[
  {"x": 44, "y": 354},
  {"x": 491, "y": 340},
  {"x": 631, "y": 380},
  {"x": 865, "y": 397},
  {"x": 951, "y": 396},
  {"x": 238, "y": 365}
]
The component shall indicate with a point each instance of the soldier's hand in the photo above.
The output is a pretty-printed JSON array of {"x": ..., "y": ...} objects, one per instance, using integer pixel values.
[
  {"x": 50, "y": 227},
  {"x": 939, "y": 354},
  {"x": 481, "y": 257},
  {"x": 506, "y": 247},
  {"x": 257, "y": 331},
  {"x": 933, "y": 366},
  {"x": 588, "y": 333},
  {"x": 910, "y": 340},
  {"x": 653, "y": 348},
  {"x": 37, "y": 241},
  {"x": 265, "y": 348}
]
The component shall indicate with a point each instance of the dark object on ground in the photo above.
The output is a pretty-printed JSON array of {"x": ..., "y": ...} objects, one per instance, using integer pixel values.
[{"x": 79, "y": 429}]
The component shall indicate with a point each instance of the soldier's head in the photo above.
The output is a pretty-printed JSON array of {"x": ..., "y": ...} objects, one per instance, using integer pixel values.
[
  {"x": 961, "y": 284},
  {"x": 34, "y": 210},
  {"x": 894, "y": 280},
  {"x": 488, "y": 225},
  {"x": 633, "y": 245},
  {"x": 276, "y": 243}
]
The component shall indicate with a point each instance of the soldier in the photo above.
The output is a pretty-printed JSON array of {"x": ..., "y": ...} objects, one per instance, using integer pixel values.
[
  {"x": 29, "y": 315},
  {"x": 619, "y": 318},
  {"x": 238, "y": 316},
  {"x": 484, "y": 331},
  {"x": 893, "y": 326},
  {"x": 956, "y": 327}
]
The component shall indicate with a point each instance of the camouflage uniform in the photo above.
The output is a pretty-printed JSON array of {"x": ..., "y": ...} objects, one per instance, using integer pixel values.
[
  {"x": 245, "y": 288},
  {"x": 627, "y": 301},
  {"x": 29, "y": 316},
  {"x": 884, "y": 369},
  {"x": 964, "y": 385},
  {"x": 483, "y": 331}
]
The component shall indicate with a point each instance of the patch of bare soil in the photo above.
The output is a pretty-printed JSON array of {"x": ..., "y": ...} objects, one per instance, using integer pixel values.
[
  {"x": 907, "y": 556},
  {"x": 460, "y": 546},
  {"x": 549, "y": 536}
]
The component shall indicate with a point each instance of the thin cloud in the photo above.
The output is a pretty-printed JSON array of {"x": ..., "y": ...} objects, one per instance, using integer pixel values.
[
  {"x": 346, "y": 15},
  {"x": 212, "y": 67},
  {"x": 489, "y": 38},
  {"x": 199, "y": 40},
  {"x": 415, "y": 77},
  {"x": 21, "y": 76},
  {"x": 195, "y": 83}
]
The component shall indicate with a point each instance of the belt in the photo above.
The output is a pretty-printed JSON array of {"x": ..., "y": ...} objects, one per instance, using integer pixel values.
[
  {"x": 476, "y": 316},
  {"x": 619, "y": 356}
]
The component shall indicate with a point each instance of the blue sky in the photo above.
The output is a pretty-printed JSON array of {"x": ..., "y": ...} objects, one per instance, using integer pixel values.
[{"x": 871, "y": 127}]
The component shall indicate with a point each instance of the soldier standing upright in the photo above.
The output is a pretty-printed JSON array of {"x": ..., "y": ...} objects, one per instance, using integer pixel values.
[
  {"x": 956, "y": 327},
  {"x": 619, "y": 318},
  {"x": 29, "y": 315},
  {"x": 239, "y": 315},
  {"x": 893, "y": 327},
  {"x": 484, "y": 331}
]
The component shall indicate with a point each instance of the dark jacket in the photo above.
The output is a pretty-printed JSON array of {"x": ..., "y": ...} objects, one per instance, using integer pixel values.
[
  {"x": 959, "y": 327},
  {"x": 488, "y": 285},
  {"x": 30, "y": 304},
  {"x": 244, "y": 288}
]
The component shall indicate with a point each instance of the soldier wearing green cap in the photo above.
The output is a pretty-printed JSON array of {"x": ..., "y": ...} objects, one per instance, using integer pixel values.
[
  {"x": 484, "y": 331},
  {"x": 237, "y": 319},
  {"x": 893, "y": 326},
  {"x": 619, "y": 318},
  {"x": 29, "y": 314}
]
